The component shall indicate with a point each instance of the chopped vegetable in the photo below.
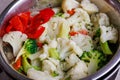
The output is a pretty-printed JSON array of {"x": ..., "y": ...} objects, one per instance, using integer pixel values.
[
  {"x": 29, "y": 47},
  {"x": 15, "y": 25},
  {"x": 34, "y": 34},
  {"x": 39, "y": 44},
  {"x": 73, "y": 33},
  {"x": 83, "y": 41},
  {"x": 79, "y": 16},
  {"x": 94, "y": 60},
  {"x": 15, "y": 39},
  {"x": 105, "y": 48},
  {"x": 71, "y": 12},
  {"x": 108, "y": 34},
  {"x": 64, "y": 30},
  {"x": 18, "y": 63},
  {"x": 53, "y": 53},
  {"x": 70, "y": 61},
  {"x": 35, "y": 30},
  {"x": 25, "y": 19},
  {"x": 80, "y": 70},
  {"x": 31, "y": 26},
  {"x": 39, "y": 75},
  {"x": 25, "y": 63},
  {"x": 69, "y": 5},
  {"x": 59, "y": 15},
  {"x": 89, "y": 6},
  {"x": 103, "y": 19},
  {"x": 19, "y": 22},
  {"x": 54, "y": 74},
  {"x": 41, "y": 18}
]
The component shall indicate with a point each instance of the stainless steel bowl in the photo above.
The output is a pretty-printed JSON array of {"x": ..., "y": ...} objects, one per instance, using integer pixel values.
[{"x": 111, "y": 7}]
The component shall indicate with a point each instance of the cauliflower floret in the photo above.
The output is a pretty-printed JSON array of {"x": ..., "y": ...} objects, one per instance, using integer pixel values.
[
  {"x": 48, "y": 66},
  {"x": 57, "y": 9},
  {"x": 100, "y": 19},
  {"x": 108, "y": 34},
  {"x": 79, "y": 26},
  {"x": 69, "y": 5},
  {"x": 54, "y": 61},
  {"x": 83, "y": 41},
  {"x": 58, "y": 66},
  {"x": 36, "y": 62},
  {"x": 89, "y": 7},
  {"x": 43, "y": 37},
  {"x": 76, "y": 49},
  {"x": 70, "y": 61},
  {"x": 34, "y": 56},
  {"x": 53, "y": 44},
  {"x": 45, "y": 53},
  {"x": 54, "y": 25},
  {"x": 80, "y": 70},
  {"x": 103, "y": 19},
  {"x": 79, "y": 16},
  {"x": 95, "y": 20},
  {"x": 39, "y": 75},
  {"x": 64, "y": 48},
  {"x": 52, "y": 65},
  {"x": 15, "y": 39},
  {"x": 66, "y": 15}
]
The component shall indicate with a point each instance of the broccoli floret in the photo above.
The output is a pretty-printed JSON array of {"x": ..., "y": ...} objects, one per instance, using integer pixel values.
[
  {"x": 97, "y": 34},
  {"x": 54, "y": 74},
  {"x": 103, "y": 45},
  {"x": 30, "y": 46},
  {"x": 94, "y": 60},
  {"x": 26, "y": 65},
  {"x": 105, "y": 48},
  {"x": 68, "y": 78},
  {"x": 59, "y": 14}
]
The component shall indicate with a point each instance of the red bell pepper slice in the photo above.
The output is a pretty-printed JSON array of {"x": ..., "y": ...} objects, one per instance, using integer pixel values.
[
  {"x": 16, "y": 24},
  {"x": 71, "y": 12},
  {"x": 39, "y": 44},
  {"x": 39, "y": 32},
  {"x": 41, "y": 18},
  {"x": 25, "y": 19},
  {"x": 18, "y": 64},
  {"x": 83, "y": 32},
  {"x": 34, "y": 34},
  {"x": 19, "y": 22},
  {"x": 46, "y": 14},
  {"x": 9, "y": 28},
  {"x": 31, "y": 26},
  {"x": 73, "y": 33}
]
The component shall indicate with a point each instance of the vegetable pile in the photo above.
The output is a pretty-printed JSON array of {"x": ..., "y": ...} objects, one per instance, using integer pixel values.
[{"x": 62, "y": 43}]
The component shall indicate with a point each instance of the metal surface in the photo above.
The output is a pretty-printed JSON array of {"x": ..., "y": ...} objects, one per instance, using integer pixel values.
[{"x": 23, "y": 5}]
